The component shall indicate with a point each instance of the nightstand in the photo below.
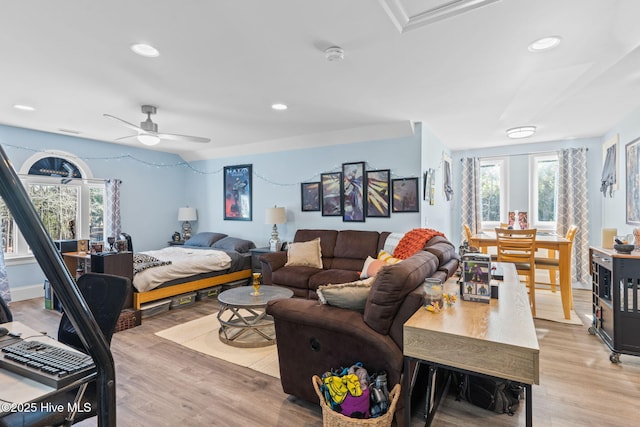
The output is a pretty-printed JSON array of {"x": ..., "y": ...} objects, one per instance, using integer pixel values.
[
  {"x": 175, "y": 242},
  {"x": 256, "y": 267}
]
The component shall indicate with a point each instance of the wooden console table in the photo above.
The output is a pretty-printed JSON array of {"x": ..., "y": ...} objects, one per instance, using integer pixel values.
[{"x": 496, "y": 339}]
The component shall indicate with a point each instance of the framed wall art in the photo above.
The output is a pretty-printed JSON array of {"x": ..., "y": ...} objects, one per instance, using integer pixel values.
[
  {"x": 353, "y": 208},
  {"x": 404, "y": 192},
  {"x": 378, "y": 193},
  {"x": 310, "y": 196},
  {"x": 237, "y": 192},
  {"x": 331, "y": 193},
  {"x": 632, "y": 151}
]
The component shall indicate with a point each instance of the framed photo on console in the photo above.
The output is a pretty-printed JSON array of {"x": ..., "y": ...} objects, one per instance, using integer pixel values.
[{"x": 237, "y": 192}]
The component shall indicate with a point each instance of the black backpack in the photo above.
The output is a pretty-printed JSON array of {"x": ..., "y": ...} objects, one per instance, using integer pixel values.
[{"x": 501, "y": 396}]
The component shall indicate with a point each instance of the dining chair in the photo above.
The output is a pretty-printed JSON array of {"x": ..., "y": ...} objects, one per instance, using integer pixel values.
[
  {"x": 467, "y": 232},
  {"x": 552, "y": 264},
  {"x": 519, "y": 247}
]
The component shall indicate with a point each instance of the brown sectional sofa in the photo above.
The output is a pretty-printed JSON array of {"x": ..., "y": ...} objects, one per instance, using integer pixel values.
[{"x": 313, "y": 338}]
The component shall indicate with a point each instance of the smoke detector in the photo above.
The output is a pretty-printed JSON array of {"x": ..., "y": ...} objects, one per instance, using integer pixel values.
[{"x": 334, "y": 53}]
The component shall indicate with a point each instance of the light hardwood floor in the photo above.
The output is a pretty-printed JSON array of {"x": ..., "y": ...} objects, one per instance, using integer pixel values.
[{"x": 161, "y": 383}]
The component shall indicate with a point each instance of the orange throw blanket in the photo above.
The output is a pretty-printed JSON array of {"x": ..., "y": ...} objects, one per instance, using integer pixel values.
[{"x": 414, "y": 241}]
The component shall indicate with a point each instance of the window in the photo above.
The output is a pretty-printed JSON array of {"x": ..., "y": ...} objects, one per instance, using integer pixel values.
[
  {"x": 69, "y": 208},
  {"x": 493, "y": 191},
  {"x": 544, "y": 190}
]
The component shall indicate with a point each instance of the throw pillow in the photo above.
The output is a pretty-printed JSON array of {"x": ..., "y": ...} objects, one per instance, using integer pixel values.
[
  {"x": 305, "y": 254},
  {"x": 204, "y": 239},
  {"x": 371, "y": 267},
  {"x": 352, "y": 295},
  {"x": 387, "y": 257}
]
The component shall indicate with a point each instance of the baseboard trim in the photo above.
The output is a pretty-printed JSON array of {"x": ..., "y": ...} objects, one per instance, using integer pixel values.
[{"x": 27, "y": 292}]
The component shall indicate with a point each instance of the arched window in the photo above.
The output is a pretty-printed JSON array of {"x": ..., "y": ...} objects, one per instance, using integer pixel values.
[{"x": 69, "y": 202}]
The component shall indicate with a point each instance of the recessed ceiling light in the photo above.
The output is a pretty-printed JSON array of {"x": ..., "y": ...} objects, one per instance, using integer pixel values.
[
  {"x": 144, "y": 49},
  {"x": 24, "y": 107},
  {"x": 334, "y": 53},
  {"x": 279, "y": 107},
  {"x": 521, "y": 132},
  {"x": 544, "y": 43}
]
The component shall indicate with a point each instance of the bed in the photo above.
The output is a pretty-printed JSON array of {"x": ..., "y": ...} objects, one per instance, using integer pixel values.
[{"x": 207, "y": 259}]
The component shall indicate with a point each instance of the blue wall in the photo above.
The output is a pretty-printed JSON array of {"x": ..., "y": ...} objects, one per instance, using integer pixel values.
[{"x": 276, "y": 181}]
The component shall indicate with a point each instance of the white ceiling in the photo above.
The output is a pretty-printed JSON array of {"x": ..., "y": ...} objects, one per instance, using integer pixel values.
[{"x": 468, "y": 76}]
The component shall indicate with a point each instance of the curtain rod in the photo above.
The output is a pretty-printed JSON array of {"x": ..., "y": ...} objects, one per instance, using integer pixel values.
[{"x": 525, "y": 154}]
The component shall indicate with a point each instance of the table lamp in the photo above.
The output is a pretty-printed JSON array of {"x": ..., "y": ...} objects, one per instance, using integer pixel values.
[
  {"x": 275, "y": 215},
  {"x": 187, "y": 214}
]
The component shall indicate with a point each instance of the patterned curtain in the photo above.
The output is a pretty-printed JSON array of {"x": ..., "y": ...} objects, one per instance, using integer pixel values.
[
  {"x": 572, "y": 207},
  {"x": 5, "y": 292},
  {"x": 113, "y": 224},
  {"x": 471, "y": 213}
]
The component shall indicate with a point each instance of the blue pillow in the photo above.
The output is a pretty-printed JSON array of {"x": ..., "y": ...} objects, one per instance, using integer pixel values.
[
  {"x": 234, "y": 244},
  {"x": 204, "y": 239}
]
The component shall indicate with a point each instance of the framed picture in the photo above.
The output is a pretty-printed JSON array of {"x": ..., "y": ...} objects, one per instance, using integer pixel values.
[
  {"x": 378, "y": 193},
  {"x": 632, "y": 151},
  {"x": 447, "y": 185},
  {"x": 353, "y": 208},
  {"x": 405, "y": 195},
  {"x": 331, "y": 185},
  {"x": 237, "y": 192},
  {"x": 310, "y": 196}
]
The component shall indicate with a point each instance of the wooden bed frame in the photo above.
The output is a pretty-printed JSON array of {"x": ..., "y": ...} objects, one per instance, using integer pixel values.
[{"x": 140, "y": 298}]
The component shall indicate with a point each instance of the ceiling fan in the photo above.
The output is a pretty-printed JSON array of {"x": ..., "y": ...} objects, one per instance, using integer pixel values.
[{"x": 148, "y": 130}]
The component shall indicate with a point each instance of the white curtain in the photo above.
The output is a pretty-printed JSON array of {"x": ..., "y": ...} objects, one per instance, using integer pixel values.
[
  {"x": 113, "y": 225},
  {"x": 572, "y": 207},
  {"x": 471, "y": 214},
  {"x": 5, "y": 292}
]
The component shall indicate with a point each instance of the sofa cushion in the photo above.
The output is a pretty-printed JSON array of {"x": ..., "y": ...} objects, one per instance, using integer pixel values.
[
  {"x": 444, "y": 250},
  {"x": 392, "y": 284},
  {"x": 325, "y": 277},
  {"x": 356, "y": 244},
  {"x": 295, "y": 276},
  {"x": 351, "y": 295},
  {"x": 305, "y": 254},
  {"x": 327, "y": 239}
]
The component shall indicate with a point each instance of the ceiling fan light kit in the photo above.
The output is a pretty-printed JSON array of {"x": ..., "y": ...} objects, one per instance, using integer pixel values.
[{"x": 147, "y": 132}]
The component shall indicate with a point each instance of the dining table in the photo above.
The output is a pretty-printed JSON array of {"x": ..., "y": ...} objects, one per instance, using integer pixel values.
[{"x": 549, "y": 241}]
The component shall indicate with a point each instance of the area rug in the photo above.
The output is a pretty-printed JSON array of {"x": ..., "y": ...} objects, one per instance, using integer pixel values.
[
  {"x": 549, "y": 307},
  {"x": 202, "y": 335}
]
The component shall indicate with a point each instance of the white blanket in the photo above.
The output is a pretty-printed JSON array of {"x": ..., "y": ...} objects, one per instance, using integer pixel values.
[{"x": 185, "y": 262}]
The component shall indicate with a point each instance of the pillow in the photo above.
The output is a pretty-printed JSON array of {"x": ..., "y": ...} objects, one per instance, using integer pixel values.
[
  {"x": 234, "y": 244},
  {"x": 371, "y": 267},
  {"x": 387, "y": 257},
  {"x": 352, "y": 295},
  {"x": 305, "y": 254},
  {"x": 204, "y": 239}
]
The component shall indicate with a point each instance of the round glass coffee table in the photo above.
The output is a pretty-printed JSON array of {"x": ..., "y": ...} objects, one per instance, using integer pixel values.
[{"x": 243, "y": 318}]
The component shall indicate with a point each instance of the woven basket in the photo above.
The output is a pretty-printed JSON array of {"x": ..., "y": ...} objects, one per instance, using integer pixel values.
[{"x": 331, "y": 418}]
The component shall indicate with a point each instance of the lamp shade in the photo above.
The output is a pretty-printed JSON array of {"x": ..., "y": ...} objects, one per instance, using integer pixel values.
[
  {"x": 275, "y": 215},
  {"x": 187, "y": 214}
]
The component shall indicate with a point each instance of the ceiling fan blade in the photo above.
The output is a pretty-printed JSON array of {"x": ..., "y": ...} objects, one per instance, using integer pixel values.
[
  {"x": 185, "y": 138},
  {"x": 125, "y": 123},
  {"x": 128, "y": 137}
]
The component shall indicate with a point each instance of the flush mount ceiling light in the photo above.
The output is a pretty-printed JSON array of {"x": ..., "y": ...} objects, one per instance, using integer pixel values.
[
  {"x": 145, "y": 50},
  {"x": 23, "y": 107},
  {"x": 148, "y": 139},
  {"x": 544, "y": 43},
  {"x": 279, "y": 107},
  {"x": 334, "y": 53},
  {"x": 521, "y": 132}
]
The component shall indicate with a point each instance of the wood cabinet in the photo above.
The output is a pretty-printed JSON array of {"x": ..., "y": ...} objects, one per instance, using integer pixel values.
[{"x": 616, "y": 300}]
